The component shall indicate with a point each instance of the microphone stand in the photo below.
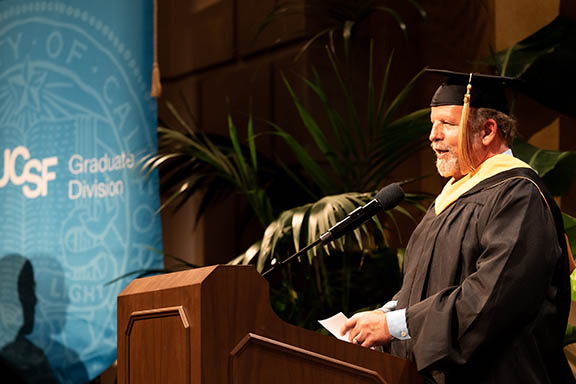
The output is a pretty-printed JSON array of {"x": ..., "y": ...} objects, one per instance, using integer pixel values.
[{"x": 300, "y": 252}]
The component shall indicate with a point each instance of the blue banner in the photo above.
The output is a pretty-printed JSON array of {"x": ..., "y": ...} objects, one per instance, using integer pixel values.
[{"x": 75, "y": 119}]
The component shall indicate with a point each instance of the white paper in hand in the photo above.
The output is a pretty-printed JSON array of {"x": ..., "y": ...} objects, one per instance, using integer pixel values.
[{"x": 334, "y": 324}]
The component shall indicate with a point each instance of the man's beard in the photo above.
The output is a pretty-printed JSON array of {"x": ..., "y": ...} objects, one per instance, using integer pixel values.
[{"x": 448, "y": 165}]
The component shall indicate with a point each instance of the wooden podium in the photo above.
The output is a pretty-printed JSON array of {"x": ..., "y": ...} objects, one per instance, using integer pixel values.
[{"x": 215, "y": 325}]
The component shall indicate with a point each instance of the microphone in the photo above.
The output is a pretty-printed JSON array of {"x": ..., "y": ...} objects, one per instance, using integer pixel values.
[{"x": 387, "y": 198}]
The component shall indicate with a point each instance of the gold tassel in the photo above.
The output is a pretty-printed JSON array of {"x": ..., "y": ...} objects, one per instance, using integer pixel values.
[
  {"x": 156, "y": 89},
  {"x": 465, "y": 158}
]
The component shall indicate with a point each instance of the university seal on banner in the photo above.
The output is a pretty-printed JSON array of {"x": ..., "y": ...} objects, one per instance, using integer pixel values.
[{"x": 75, "y": 117}]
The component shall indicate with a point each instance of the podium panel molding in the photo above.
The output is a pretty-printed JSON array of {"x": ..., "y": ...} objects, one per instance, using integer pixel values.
[
  {"x": 171, "y": 339},
  {"x": 289, "y": 354}
]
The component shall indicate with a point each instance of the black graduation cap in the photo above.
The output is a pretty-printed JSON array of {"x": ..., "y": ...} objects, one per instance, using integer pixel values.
[{"x": 488, "y": 91}]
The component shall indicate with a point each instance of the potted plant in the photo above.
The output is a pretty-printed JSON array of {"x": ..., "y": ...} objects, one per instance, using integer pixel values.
[{"x": 370, "y": 139}]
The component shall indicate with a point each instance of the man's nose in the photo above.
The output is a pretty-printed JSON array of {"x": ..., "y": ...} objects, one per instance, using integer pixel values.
[{"x": 436, "y": 133}]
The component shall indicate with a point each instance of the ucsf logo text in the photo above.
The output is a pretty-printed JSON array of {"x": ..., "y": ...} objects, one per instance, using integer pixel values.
[{"x": 34, "y": 175}]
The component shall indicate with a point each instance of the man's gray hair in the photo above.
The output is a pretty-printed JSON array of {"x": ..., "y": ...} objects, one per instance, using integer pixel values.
[{"x": 507, "y": 125}]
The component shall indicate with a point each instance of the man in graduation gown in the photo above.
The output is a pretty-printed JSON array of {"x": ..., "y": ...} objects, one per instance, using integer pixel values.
[{"x": 485, "y": 296}]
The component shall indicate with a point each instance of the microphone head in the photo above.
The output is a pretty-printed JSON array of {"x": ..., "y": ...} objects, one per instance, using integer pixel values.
[{"x": 390, "y": 196}]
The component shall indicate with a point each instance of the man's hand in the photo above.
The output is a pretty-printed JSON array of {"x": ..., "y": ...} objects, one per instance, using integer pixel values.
[{"x": 368, "y": 329}]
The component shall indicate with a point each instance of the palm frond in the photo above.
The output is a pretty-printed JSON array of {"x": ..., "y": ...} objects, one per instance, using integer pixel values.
[
  {"x": 313, "y": 128},
  {"x": 317, "y": 173},
  {"x": 305, "y": 224},
  {"x": 557, "y": 168},
  {"x": 390, "y": 112}
]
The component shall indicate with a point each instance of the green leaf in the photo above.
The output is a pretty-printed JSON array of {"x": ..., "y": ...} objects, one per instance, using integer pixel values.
[
  {"x": 557, "y": 168},
  {"x": 336, "y": 122},
  {"x": 573, "y": 285},
  {"x": 347, "y": 35},
  {"x": 247, "y": 257},
  {"x": 312, "y": 220},
  {"x": 311, "y": 41},
  {"x": 313, "y": 128},
  {"x": 380, "y": 111},
  {"x": 397, "y": 142},
  {"x": 399, "y": 99},
  {"x": 297, "y": 219},
  {"x": 284, "y": 223},
  {"x": 419, "y": 8},
  {"x": 280, "y": 9},
  {"x": 308, "y": 163},
  {"x": 239, "y": 156},
  {"x": 252, "y": 143},
  {"x": 544, "y": 42},
  {"x": 545, "y": 63},
  {"x": 299, "y": 181},
  {"x": 396, "y": 15},
  {"x": 266, "y": 245},
  {"x": 570, "y": 229},
  {"x": 570, "y": 335},
  {"x": 354, "y": 122}
]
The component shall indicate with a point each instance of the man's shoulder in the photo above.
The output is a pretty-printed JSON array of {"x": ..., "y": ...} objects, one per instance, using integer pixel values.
[
  {"x": 516, "y": 178},
  {"x": 511, "y": 187}
]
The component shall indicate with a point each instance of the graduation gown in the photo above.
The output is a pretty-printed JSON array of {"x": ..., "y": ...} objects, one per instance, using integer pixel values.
[{"x": 486, "y": 286}]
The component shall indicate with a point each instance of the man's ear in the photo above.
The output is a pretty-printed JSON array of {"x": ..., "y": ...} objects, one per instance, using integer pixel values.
[{"x": 489, "y": 132}]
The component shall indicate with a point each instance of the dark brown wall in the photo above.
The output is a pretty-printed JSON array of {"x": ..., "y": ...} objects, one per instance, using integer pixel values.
[
  {"x": 213, "y": 63},
  {"x": 210, "y": 61}
]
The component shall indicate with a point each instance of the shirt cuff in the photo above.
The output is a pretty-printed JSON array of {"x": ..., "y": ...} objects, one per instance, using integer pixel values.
[
  {"x": 397, "y": 324},
  {"x": 389, "y": 306}
]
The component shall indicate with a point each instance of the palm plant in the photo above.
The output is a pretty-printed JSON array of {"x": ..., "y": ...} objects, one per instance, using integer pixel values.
[
  {"x": 556, "y": 168},
  {"x": 345, "y": 174},
  {"x": 361, "y": 157},
  {"x": 192, "y": 161},
  {"x": 544, "y": 61}
]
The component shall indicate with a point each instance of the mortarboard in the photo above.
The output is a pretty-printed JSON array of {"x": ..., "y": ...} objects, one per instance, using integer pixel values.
[
  {"x": 471, "y": 90},
  {"x": 487, "y": 91}
]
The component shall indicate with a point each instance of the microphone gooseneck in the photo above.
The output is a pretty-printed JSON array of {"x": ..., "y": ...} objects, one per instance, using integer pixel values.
[{"x": 387, "y": 198}]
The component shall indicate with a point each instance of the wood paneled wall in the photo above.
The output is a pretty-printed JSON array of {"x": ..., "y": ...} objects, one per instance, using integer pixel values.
[{"x": 210, "y": 62}]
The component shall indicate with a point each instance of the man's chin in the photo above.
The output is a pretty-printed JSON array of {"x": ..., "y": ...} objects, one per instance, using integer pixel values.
[{"x": 446, "y": 170}]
